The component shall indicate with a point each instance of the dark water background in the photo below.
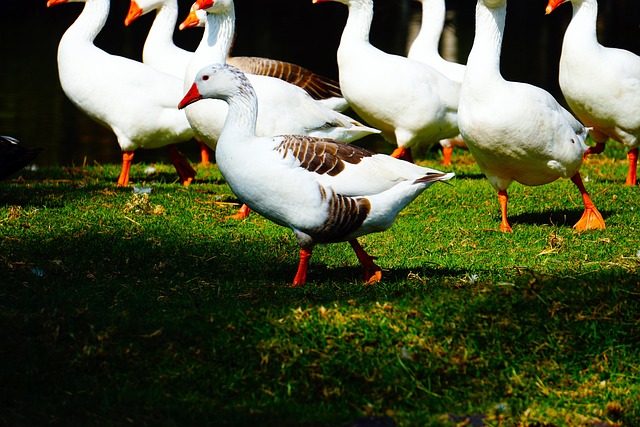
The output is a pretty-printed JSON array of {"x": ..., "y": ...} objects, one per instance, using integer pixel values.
[{"x": 34, "y": 109}]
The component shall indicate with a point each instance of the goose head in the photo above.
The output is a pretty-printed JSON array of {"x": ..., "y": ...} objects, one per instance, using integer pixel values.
[
  {"x": 553, "y": 4},
  {"x": 217, "y": 81},
  {"x": 214, "y": 6},
  {"x": 196, "y": 18},
  {"x": 137, "y": 8}
]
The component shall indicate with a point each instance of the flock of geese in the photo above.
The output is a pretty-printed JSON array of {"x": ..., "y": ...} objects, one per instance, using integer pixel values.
[{"x": 282, "y": 138}]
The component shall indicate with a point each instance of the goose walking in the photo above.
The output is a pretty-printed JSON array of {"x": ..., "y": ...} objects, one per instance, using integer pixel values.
[
  {"x": 516, "y": 131},
  {"x": 410, "y": 102},
  {"x": 325, "y": 191},
  {"x": 132, "y": 99},
  {"x": 601, "y": 84}
]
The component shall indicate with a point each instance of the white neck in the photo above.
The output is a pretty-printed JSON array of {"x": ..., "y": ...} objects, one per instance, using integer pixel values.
[
  {"x": 433, "y": 15},
  {"x": 90, "y": 22},
  {"x": 582, "y": 28},
  {"x": 484, "y": 59},
  {"x": 215, "y": 44},
  {"x": 161, "y": 32},
  {"x": 358, "y": 23},
  {"x": 242, "y": 116}
]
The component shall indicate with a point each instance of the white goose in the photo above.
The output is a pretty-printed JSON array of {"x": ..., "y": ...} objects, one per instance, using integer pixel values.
[
  {"x": 517, "y": 131},
  {"x": 135, "y": 101},
  {"x": 325, "y": 191},
  {"x": 161, "y": 52},
  {"x": 410, "y": 102},
  {"x": 425, "y": 48},
  {"x": 601, "y": 85}
]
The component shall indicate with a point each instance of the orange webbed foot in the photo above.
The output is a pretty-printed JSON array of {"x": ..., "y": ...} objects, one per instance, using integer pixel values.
[
  {"x": 591, "y": 220},
  {"x": 242, "y": 213}
]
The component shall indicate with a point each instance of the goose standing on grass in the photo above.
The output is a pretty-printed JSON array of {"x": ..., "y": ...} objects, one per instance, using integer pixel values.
[
  {"x": 517, "y": 131},
  {"x": 601, "y": 85},
  {"x": 14, "y": 157},
  {"x": 426, "y": 49},
  {"x": 283, "y": 108},
  {"x": 325, "y": 191},
  {"x": 410, "y": 102},
  {"x": 132, "y": 99}
]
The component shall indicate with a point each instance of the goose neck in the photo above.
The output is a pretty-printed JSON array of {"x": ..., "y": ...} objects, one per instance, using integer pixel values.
[
  {"x": 161, "y": 31},
  {"x": 90, "y": 21},
  {"x": 484, "y": 58},
  {"x": 242, "y": 117},
  {"x": 582, "y": 28},
  {"x": 432, "y": 24},
  {"x": 218, "y": 35},
  {"x": 358, "y": 25}
]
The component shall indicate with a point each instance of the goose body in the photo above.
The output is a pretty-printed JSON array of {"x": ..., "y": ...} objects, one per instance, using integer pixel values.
[
  {"x": 425, "y": 49},
  {"x": 14, "y": 157},
  {"x": 410, "y": 102},
  {"x": 325, "y": 191},
  {"x": 283, "y": 109},
  {"x": 135, "y": 101},
  {"x": 600, "y": 84},
  {"x": 516, "y": 131}
]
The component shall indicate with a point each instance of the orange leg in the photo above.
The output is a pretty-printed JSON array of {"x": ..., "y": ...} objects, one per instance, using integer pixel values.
[
  {"x": 403, "y": 153},
  {"x": 372, "y": 273},
  {"x": 204, "y": 153},
  {"x": 503, "y": 198},
  {"x": 632, "y": 155},
  {"x": 597, "y": 149},
  {"x": 127, "y": 158},
  {"x": 301, "y": 275},
  {"x": 591, "y": 218},
  {"x": 184, "y": 169},
  {"x": 242, "y": 213},
  {"x": 446, "y": 155}
]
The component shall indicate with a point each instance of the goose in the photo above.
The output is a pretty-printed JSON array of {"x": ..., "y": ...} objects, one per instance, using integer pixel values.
[
  {"x": 14, "y": 157},
  {"x": 516, "y": 131},
  {"x": 600, "y": 84},
  {"x": 284, "y": 108},
  {"x": 323, "y": 190},
  {"x": 410, "y": 102},
  {"x": 425, "y": 49},
  {"x": 132, "y": 99},
  {"x": 161, "y": 52}
]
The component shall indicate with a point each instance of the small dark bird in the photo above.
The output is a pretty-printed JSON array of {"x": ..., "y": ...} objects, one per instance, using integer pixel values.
[{"x": 14, "y": 156}]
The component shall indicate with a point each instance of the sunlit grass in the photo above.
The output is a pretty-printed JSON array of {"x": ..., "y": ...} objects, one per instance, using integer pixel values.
[{"x": 125, "y": 309}]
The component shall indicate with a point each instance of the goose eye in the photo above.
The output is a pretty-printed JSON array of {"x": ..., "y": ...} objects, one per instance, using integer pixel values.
[{"x": 205, "y": 77}]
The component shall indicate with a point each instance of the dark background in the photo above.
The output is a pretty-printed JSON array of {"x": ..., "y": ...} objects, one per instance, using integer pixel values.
[{"x": 34, "y": 109}]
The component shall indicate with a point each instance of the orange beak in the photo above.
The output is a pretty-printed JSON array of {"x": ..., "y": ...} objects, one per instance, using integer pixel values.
[
  {"x": 134, "y": 13},
  {"x": 191, "y": 20},
  {"x": 192, "y": 96},
  {"x": 552, "y": 5},
  {"x": 54, "y": 2},
  {"x": 204, "y": 4}
]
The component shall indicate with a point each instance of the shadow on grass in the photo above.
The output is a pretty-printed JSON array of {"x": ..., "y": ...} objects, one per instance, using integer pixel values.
[{"x": 561, "y": 218}]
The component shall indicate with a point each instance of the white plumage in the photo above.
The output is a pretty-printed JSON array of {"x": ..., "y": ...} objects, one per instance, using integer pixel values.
[
  {"x": 325, "y": 191},
  {"x": 132, "y": 99},
  {"x": 516, "y": 131},
  {"x": 410, "y": 102},
  {"x": 601, "y": 84}
]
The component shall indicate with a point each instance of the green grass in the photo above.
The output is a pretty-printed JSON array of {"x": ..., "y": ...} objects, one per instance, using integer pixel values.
[{"x": 116, "y": 309}]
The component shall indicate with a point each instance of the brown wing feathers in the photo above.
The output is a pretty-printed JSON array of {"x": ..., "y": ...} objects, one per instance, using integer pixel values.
[
  {"x": 317, "y": 86},
  {"x": 319, "y": 155}
]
